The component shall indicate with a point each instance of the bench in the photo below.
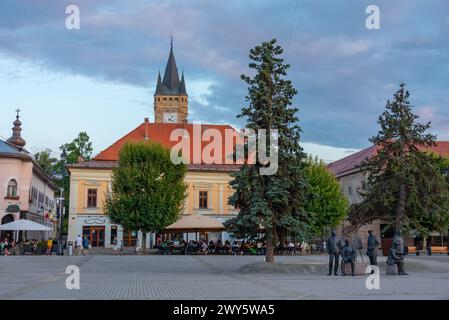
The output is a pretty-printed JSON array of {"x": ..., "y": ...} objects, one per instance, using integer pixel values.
[{"x": 439, "y": 249}]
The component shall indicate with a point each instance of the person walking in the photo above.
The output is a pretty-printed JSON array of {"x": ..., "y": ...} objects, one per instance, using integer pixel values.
[
  {"x": 86, "y": 246},
  {"x": 49, "y": 246},
  {"x": 371, "y": 250},
  {"x": 78, "y": 245}
]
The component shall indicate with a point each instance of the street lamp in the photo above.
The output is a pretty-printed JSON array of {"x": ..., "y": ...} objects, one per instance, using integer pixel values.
[{"x": 60, "y": 202}]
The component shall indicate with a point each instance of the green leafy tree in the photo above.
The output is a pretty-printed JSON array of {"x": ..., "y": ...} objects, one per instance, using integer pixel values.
[
  {"x": 404, "y": 184},
  {"x": 148, "y": 190},
  {"x": 79, "y": 148},
  {"x": 47, "y": 162},
  {"x": 326, "y": 204},
  {"x": 270, "y": 202}
]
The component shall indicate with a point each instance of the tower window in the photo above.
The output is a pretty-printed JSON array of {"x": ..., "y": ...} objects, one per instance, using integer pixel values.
[{"x": 158, "y": 99}]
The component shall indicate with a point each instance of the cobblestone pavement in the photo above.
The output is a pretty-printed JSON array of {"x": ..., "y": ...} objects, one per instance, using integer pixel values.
[{"x": 208, "y": 277}]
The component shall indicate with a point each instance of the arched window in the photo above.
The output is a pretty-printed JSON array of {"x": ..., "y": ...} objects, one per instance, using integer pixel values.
[{"x": 12, "y": 189}]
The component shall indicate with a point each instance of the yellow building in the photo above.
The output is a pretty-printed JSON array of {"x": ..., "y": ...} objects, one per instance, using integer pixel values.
[{"x": 208, "y": 183}]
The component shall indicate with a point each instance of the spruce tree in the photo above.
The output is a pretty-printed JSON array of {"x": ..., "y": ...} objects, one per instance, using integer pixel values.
[
  {"x": 270, "y": 203},
  {"x": 404, "y": 184}
]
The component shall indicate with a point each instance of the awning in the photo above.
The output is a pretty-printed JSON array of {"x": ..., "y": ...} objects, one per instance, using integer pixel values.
[
  {"x": 195, "y": 223},
  {"x": 24, "y": 225}
]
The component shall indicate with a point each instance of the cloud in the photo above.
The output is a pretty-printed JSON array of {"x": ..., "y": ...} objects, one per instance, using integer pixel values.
[{"x": 344, "y": 73}]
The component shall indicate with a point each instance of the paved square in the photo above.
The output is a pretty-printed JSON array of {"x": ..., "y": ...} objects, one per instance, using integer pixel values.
[{"x": 210, "y": 277}]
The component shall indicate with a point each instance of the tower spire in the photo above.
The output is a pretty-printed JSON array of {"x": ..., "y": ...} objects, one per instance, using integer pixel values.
[{"x": 16, "y": 138}]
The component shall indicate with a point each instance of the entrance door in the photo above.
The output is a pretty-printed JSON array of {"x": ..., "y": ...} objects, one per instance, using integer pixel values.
[{"x": 95, "y": 235}]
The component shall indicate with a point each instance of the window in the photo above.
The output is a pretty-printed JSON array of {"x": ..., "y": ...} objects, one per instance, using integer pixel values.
[
  {"x": 113, "y": 233},
  {"x": 203, "y": 199},
  {"x": 12, "y": 189},
  {"x": 92, "y": 198},
  {"x": 129, "y": 238}
]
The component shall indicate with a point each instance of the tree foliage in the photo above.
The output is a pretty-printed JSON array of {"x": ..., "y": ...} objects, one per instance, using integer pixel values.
[
  {"x": 148, "y": 190},
  {"x": 404, "y": 184},
  {"x": 79, "y": 149},
  {"x": 326, "y": 204},
  {"x": 48, "y": 163},
  {"x": 272, "y": 203}
]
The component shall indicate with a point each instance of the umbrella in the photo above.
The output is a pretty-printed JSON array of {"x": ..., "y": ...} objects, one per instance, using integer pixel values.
[{"x": 24, "y": 225}]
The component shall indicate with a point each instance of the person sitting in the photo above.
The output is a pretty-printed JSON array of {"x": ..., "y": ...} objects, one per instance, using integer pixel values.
[
  {"x": 227, "y": 247},
  {"x": 348, "y": 255},
  {"x": 219, "y": 247},
  {"x": 211, "y": 247},
  {"x": 203, "y": 247},
  {"x": 191, "y": 247},
  {"x": 163, "y": 248},
  {"x": 235, "y": 247}
]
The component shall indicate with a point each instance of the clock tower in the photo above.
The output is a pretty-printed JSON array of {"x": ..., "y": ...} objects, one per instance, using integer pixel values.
[{"x": 170, "y": 98}]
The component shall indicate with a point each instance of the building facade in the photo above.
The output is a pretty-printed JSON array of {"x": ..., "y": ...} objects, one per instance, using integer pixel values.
[
  {"x": 208, "y": 183},
  {"x": 351, "y": 178},
  {"x": 27, "y": 191}
]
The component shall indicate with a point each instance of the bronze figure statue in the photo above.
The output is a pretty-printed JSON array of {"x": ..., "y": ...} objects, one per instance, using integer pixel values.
[
  {"x": 348, "y": 255},
  {"x": 333, "y": 246},
  {"x": 371, "y": 250}
]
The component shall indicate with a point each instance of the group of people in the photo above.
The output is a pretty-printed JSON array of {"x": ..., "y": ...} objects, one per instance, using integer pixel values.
[
  {"x": 7, "y": 247},
  {"x": 235, "y": 247},
  {"x": 11, "y": 247},
  {"x": 82, "y": 245},
  {"x": 348, "y": 252}
]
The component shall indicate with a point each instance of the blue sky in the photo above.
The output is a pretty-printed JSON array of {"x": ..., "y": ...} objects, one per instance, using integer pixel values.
[{"x": 101, "y": 78}]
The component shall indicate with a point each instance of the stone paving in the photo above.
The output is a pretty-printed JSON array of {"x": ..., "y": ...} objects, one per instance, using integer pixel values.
[{"x": 209, "y": 277}]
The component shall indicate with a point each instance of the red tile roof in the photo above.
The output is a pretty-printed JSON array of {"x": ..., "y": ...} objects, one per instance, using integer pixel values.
[
  {"x": 350, "y": 164},
  {"x": 160, "y": 133}
]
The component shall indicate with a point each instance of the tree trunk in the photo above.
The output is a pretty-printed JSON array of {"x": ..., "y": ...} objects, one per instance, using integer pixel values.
[
  {"x": 400, "y": 213},
  {"x": 269, "y": 257},
  {"x": 143, "y": 249}
]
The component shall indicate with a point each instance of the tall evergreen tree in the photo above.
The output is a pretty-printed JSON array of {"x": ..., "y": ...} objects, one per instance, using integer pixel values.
[
  {"x": 404, "y": 184},
  {"x": 270, "y": 202}
]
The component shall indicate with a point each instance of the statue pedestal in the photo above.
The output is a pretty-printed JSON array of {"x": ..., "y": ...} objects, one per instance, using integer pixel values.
[
  {"x": 392, "y": 270},
  {"x": 359, "y": 268}
]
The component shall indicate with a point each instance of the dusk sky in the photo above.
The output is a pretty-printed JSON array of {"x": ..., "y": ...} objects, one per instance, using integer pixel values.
[{"x": 101, "y": 78}]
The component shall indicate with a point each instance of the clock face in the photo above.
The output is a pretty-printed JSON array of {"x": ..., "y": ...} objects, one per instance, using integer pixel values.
[{"x": 170, "y": 117}]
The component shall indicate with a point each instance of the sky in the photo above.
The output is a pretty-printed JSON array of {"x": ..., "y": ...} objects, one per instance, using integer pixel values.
[{"x": 101, "y": 78}]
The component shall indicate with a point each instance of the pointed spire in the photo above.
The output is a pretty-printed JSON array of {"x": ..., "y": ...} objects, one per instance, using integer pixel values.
[
  {"x": 171, "y": 77},
  {"x": 159, "y": 83},
  {"x": 16, "y": 138},
  {"x": 182, "y": 86},
  {"x": 170, "y": 84}
]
